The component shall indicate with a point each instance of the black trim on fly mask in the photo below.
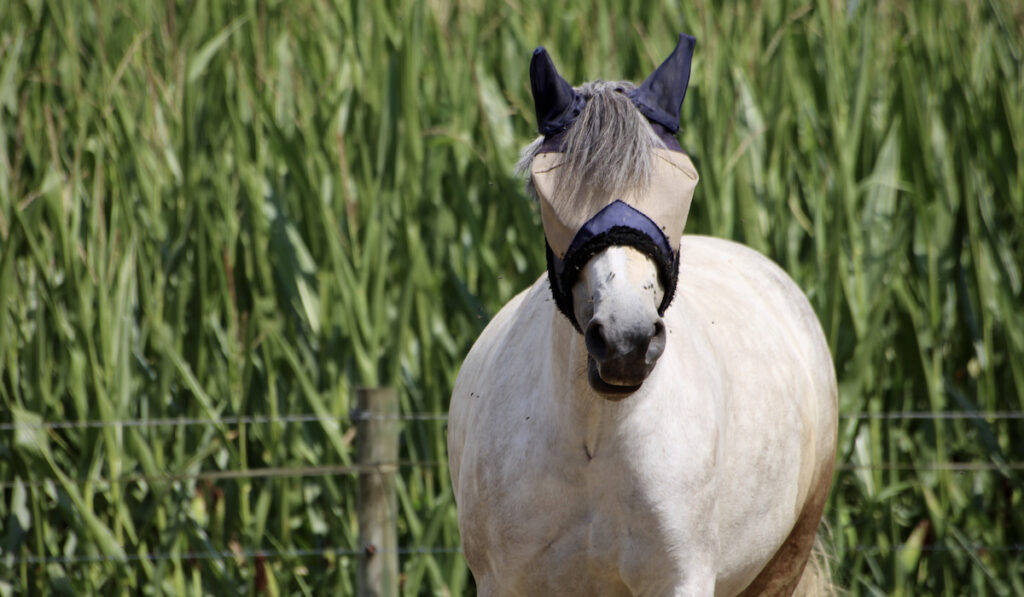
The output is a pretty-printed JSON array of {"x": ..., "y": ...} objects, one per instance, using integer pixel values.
[{"x": 617, "y": 225}]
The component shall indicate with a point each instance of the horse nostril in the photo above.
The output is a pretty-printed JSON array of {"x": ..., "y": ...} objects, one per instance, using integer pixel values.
[
  {"x": 596, "y": 343},
  {"x": 657, "y": 343}
]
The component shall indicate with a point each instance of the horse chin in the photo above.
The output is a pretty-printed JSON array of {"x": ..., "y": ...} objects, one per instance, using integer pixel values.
[{"x": 607, "y": 390}]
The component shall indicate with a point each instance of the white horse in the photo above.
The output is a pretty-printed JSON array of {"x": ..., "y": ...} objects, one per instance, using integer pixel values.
[{"x": 634, "y": 436}]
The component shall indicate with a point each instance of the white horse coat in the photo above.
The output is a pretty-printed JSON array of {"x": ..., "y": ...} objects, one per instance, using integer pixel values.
[
  {"x": 667, "y": 444},
  {"x": 691, "y": 485}
]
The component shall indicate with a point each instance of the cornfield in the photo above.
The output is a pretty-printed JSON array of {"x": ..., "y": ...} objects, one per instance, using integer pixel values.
[{"x": 218, "y": 219}]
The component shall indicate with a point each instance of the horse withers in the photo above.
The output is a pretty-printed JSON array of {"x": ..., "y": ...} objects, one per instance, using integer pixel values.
[{"x": 657, "y": 415}]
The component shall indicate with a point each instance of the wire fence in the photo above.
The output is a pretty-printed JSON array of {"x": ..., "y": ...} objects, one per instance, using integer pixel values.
[
  {"x": 230, "y": 474},
  {"x": 354, "y": 469},
  {"x": 225, "y": 554},
  {"x": 938, "y": 416},
  {"x": 352, "y": 417},
  {"x": 242, "y": 556},
  {"x": 356, "y": 415}
]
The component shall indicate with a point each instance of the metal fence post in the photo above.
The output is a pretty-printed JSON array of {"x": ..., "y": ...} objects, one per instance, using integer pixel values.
[{"x": 377, "y": 428}]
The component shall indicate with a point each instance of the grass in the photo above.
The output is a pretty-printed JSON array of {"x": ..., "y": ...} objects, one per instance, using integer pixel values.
[{"x": 218, "y": 209}]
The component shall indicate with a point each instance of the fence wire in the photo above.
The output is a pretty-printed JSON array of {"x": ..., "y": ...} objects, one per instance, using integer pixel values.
[
  {"x": 341, "y": 470},
  {"x": 235, "y": 474},
  {"x": 357, "y": 415},
  {"x": 225, "y": 554},
  {"x": 959, "y": 467},
  {"x": 940, "y": 416},
  {"x": 938, "y": 548},
  {"x": 243, "y": 555},
  {"x": 353, "y": 416}
]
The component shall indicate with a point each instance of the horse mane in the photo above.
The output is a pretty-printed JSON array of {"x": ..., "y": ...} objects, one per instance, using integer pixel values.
[{"x": 607, "y": 149}]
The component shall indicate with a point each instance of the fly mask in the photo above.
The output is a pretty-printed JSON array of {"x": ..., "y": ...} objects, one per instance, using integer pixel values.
[{"x": 650, "y": 219}]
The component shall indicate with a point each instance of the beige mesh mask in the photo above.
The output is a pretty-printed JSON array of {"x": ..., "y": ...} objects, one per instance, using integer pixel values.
[
  {"x": 650, "y": 220},
  {"x": 666, "y": 201}
]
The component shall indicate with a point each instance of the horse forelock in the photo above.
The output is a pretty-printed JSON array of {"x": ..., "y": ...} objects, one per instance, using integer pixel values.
[{"x": 608, "y": 149}]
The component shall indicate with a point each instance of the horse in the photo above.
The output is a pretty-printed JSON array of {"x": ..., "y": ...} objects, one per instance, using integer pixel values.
[{"x": 657, "y": 414}]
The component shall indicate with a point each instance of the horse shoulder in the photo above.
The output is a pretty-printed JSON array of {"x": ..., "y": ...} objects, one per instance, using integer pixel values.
[
  {"x": 768, "y": 311},
  {"x": 780, "y": 391},
  {"x": 487, "y": 374}
]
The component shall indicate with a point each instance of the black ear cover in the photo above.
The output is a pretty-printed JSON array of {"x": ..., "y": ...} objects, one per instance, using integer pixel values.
[
  {"x": 554, "y": 99},
  {"x": 661, "y": 95}
]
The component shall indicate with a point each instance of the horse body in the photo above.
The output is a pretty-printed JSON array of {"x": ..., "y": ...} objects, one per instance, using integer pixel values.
[
  {"x": 700, "y": 482},
  {"x": 657, "y": 415}
]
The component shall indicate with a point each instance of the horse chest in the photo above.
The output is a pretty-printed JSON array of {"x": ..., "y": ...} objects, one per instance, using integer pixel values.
[{"x": 589, "y": 511}]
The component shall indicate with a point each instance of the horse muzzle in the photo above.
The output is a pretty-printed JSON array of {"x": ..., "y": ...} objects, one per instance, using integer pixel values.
[{"x": 621, "y": 357}]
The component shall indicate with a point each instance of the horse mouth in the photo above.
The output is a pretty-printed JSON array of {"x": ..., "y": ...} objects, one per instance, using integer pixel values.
[{"x": 609, "y": 390}]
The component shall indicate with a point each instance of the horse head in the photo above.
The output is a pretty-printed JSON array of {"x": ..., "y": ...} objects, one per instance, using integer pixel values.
[{"x": 614, "y": 187}]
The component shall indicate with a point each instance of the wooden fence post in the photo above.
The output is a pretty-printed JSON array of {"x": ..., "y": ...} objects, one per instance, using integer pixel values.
[{"x": 377, "y": 428}]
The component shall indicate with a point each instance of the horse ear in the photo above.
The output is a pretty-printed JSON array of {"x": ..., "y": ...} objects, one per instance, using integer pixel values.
[
  {"x": 661, "y": 95},
  {"x": 554, "y": 99}
]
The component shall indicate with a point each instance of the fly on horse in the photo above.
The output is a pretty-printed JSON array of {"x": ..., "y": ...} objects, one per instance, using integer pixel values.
[{"x": 657, "y": 415}]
